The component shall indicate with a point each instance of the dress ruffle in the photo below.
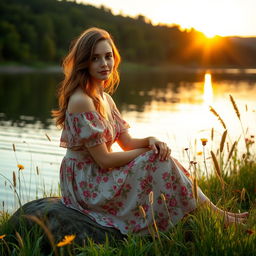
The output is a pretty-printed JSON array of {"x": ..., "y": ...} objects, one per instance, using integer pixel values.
[{"x": 88, "y": 129}]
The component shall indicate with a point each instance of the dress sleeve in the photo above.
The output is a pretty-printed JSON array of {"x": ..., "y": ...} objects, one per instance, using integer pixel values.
[
  {"x": 86, "y": 129},
  {"x": 123, "y": 125}
]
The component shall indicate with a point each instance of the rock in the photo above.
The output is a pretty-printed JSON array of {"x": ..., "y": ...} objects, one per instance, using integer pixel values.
[{"x": 60, "y": 221}]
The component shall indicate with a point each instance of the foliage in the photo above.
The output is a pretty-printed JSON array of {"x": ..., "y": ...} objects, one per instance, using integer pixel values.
[{"x": 41, "y": 30}]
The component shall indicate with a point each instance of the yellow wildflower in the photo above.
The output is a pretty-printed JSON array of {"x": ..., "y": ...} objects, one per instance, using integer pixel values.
[
  {"x": 20, "y": 166},
  {"x": 2, "y": 236},
  {"x": 204, "y": 141},
  {"x": 66, "y": 240},
  {"x": 199, "y": 153}
]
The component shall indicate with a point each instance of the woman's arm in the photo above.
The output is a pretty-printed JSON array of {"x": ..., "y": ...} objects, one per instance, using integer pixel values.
[
  {"x": 126, "y": 142},
  {"x": 106, "y": 159}
]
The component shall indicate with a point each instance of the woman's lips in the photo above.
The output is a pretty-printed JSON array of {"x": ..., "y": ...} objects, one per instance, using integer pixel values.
[{"x": 105, "y": 72}]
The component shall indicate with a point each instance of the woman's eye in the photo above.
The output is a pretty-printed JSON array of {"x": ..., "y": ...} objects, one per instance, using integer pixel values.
[
  {"x": 109, "y": 56},
  {"x": 95, "y": 58}
]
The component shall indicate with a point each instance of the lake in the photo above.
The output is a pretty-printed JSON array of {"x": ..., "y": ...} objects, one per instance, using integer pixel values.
[{"x": 171, "y": 105}]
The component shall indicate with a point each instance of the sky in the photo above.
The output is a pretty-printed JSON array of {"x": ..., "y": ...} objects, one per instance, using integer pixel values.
[{"x": 212, "y": 17}]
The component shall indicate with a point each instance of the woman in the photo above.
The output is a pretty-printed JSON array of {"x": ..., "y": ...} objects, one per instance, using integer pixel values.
[{"x": 113, "y": 188}]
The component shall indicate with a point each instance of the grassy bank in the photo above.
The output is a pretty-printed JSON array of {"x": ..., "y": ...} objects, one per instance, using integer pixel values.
[
  {"x": 202, "y": 233},
  {"x": 230, "y": 184}
]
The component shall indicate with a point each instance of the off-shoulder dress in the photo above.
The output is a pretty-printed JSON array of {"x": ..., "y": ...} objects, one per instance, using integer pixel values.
[{"x": 112, "y": 198}]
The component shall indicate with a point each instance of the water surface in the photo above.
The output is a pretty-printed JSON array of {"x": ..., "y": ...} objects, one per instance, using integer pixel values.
[{"x": 173, "y": 106}]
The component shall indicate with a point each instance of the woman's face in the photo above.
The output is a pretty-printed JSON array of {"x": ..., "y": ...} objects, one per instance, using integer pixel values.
[{"x": 102, "y": 62}]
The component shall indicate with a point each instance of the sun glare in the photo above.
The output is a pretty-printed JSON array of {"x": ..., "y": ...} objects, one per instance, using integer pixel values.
[
  {"x": 210, "y": 34},
  {"x": 208, "y": 92}
]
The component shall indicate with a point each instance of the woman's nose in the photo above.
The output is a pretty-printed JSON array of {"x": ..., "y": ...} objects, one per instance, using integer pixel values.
[{"x": 103, "y": 62}]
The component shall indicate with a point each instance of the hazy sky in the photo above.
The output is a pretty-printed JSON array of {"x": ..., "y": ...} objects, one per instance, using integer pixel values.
[{"x": 222, "y": 17}]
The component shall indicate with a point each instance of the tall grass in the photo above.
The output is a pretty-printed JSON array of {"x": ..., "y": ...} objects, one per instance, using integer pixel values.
[{"x": 231, "y": 185}]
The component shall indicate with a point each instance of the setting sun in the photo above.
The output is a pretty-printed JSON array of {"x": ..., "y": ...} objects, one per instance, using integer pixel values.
[{"x": 212, "y": 17}]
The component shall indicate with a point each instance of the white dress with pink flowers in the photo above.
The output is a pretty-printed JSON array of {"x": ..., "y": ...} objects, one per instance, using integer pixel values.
[{"x": 112, "y": 197}]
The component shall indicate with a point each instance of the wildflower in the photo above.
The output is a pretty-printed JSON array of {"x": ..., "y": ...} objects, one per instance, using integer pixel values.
[
  {"x": 20, "y": 166},
  {"x": 199, "y": 153},
  {"x": 204, "y": 141},
  {"x": 248, "y": 141},
  {"x": 250, "y": 232},
  {"x": 66, "y": 240},
  {"x": 2, "y": 236}
]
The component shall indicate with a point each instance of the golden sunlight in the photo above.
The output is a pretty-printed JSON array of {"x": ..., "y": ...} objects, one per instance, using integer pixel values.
[{"x": 208, "y": 92}]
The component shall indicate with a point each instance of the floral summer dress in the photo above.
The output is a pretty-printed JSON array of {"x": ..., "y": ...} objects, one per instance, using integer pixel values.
[{"x": 112, "y": 197}]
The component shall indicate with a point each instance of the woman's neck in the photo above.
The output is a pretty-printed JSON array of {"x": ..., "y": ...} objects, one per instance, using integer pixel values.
[{"x": 100, "y": 87}]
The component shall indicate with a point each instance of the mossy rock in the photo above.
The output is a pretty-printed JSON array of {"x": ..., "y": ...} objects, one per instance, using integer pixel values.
[{"x": 59, "y": 220}]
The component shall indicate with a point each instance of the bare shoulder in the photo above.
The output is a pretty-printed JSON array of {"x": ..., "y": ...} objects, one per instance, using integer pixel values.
[
  {"x": 110, "y": 99},
  {"x": 80, "y": 102}
]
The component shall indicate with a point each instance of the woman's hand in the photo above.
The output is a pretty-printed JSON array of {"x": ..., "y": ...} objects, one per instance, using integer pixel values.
[{"x": 160, "y": 148}]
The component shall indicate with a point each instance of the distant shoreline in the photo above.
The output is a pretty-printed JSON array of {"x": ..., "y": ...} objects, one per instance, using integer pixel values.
[
  {"x": 128, "y": 67},
  {"x": 16, "y": 69}
]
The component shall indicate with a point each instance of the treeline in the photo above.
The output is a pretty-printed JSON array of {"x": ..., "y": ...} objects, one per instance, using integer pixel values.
[{"x": 41, "y": 30}]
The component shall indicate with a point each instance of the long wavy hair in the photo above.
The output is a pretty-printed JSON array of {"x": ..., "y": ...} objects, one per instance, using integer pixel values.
[{"x": 76, "y": 71}]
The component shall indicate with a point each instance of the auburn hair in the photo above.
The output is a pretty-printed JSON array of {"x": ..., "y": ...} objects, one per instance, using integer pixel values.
[{"x": 76, "y": 72}]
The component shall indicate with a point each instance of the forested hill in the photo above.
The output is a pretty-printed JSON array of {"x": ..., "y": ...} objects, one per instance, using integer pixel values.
[{"x": 41, "y": 30}]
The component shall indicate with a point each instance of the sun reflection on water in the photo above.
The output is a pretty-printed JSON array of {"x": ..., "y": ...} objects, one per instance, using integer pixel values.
[{"x": 208, "y": 91}]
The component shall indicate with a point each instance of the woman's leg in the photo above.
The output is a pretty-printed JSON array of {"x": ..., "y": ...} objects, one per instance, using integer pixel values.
[{"x": 230, "y": 217}]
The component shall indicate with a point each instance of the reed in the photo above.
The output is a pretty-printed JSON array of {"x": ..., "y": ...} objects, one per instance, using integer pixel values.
[
  {"x": 194, "y": 189},
  {"x": 48, "y": 137},
  {"x": 151, "y": 202},
  {"x": 46, "y": 230},
  {"x": 212, "y": 134},
  {"x": 14, "y": 179},
  {"x": 231, "y": 153},
  {"x": 223, "y": 139},
  {"x": 218, "y": 116},
  {"x": 241, "y": 124},
  {"x": 217, "y": 168},
  {"x": 235, "y": 107},
  {"x": 20, "y": 241}
]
